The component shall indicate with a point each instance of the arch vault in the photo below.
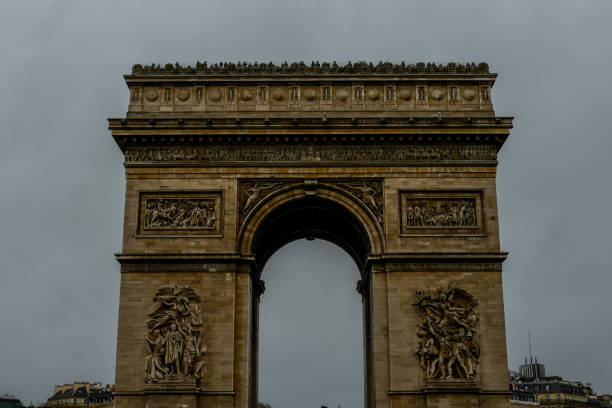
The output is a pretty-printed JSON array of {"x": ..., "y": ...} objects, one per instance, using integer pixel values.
[{"x": 396, "y": 164}]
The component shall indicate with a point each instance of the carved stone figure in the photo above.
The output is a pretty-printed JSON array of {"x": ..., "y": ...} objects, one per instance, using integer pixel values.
[
  {"x": 253, "y": 192},
  {"x": 174, "y": 342},
  {"x": 454, "y": 97},
  {"x": 369, "y": 192},
  {"x": 447, "y": 326},
  {"x": 421, "y": 92}
]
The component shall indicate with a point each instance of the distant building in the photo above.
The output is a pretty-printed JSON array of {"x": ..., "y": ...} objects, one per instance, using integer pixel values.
[
  {"x": 605, "y": 400},
  {"x": 81, "y": 394},
  {"x": 531, "y": 369},
  {"x": 523, "y": 398},
  {"x": 551, "y": 392},
  {"x": 554, "y": 391},
  {"x": 8, "y": 401}
]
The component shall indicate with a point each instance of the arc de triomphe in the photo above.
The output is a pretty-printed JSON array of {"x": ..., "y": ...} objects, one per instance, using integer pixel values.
[{"x": 396, "y": 164}]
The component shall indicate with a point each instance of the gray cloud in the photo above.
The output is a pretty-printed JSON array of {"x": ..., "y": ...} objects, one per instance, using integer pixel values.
[{"x": 62, "y": 179}]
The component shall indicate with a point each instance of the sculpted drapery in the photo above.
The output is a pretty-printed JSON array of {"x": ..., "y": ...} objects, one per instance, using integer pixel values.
[
  {"x": 447, "y": 345},
  {"x": 175, "y": 346}
]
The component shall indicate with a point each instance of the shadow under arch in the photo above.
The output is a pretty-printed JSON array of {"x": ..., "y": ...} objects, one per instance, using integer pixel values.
[
  {"x": 305, "y": 214},
  {"x": 311, "y": 218},
  {"x": 291, "y": 214}
]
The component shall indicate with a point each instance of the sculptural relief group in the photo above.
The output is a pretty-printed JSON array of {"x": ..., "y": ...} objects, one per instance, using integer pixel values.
[
  {"x": 175, "y": 344},
  {"x": 447, "y": 337},
  {"x": 180, "y": 213},
  {"x": 441, "y": 213}
]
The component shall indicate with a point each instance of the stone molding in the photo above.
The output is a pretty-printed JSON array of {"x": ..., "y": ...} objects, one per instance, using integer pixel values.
[
  {"x": 444, "y": 267},
  {"x": 331, "y": 124},
  {"x": 384, "y": 263},
  {"x": 196, "y": 391}
]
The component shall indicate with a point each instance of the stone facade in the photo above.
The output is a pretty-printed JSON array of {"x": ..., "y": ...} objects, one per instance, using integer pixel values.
[{"x": 394, "y": 163}]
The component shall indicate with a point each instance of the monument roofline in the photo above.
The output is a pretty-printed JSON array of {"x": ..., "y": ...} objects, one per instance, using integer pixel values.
[
  {"x": 315, "y": 68},
  {"x": 457, "y": 89}
]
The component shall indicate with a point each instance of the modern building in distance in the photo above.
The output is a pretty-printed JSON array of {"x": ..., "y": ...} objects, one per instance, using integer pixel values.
[
  {"x": 81, "y": 394},
  {"x": 531, "y": 369},
  {"x": 531, "y": 383}
]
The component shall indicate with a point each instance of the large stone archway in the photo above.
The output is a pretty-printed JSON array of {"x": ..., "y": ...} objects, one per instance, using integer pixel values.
[
  {"x": 394, "y": 163},
  {"x": 325, "y": 213}
]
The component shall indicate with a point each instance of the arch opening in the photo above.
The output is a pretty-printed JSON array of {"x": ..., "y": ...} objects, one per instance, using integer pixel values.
[
  {"x": 311, "y": 349},
  {"x": 312, "y": 218}
]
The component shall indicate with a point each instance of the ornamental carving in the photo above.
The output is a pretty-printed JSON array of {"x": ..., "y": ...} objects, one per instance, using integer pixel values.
[
  {"x": 180, "y": 213},
  {"x": 174, "y": 343},
  {"x": 441, "y": 212},
  {"x": 369, "y": 192},
  {"x": 447, "y": 337},
  {"x": 437, "y": 94},
  {"x": 405, "y": 94},
  {"x": 469, "y": 94},
  {"x": 183, "y": 95},
  {"x": 151, "y": 95},
  {"x": 297, "y": 153},
  {"x": 252, "y": 192}
]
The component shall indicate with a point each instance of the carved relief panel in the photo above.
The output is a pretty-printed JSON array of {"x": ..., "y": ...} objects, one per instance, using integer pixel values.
[
  {"x": 175, "y": 340},
  {"x": 441, "y": 212},
  {"x": 448, "y": 346},
  {"x": 176, "y": 213}
]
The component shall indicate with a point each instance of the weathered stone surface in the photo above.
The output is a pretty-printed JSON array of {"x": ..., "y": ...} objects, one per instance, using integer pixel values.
[{"x": 215, "y": 154}]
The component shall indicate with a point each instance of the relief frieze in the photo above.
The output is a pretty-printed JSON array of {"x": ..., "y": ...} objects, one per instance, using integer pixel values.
[
  {"x": 309, "y": 153},
  {"x": 441, "y": 212},
  {"x": 180, "y": 213}
]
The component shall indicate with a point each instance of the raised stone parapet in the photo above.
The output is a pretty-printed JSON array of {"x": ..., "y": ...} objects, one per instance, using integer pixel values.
[{"x": 386, "y": 87}]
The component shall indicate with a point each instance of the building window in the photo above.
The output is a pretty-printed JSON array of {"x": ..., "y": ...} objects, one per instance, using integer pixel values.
[{"x": 548, "y": 398}]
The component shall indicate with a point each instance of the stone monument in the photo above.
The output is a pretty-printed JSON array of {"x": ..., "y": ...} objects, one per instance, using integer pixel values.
[{"x": 395, "y": 163}]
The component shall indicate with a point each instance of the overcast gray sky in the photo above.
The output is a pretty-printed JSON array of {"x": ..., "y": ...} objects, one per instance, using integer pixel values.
[{"x": 62, "y": 180}]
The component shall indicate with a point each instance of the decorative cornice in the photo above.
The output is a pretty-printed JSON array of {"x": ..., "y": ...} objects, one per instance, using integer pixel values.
[
  {"x": 315, "y": 68},
  {"x": 439, "y": 262},
  {"x": 177, "y": 258},
  {"x": 317, "y": 122}
]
